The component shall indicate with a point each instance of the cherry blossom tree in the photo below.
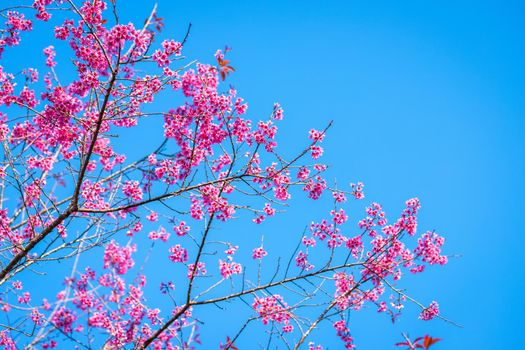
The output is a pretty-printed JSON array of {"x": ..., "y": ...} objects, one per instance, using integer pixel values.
[{"x": 74, "y": 199}]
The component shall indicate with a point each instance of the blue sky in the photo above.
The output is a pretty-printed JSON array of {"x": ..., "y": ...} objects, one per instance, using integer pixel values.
[{"x": 427, "y": 100}]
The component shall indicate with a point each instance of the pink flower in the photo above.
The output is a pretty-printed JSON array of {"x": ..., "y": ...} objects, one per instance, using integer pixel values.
[
  {"x": 64, "y": 319},
  {"x": 277, "y": 113},
  {"x": 357, "y": 190},
  {"x": 301, "y": 260},
  {"x": 312, "y": 346},
  {"x": 152, "y": 159},
  {"x": 181, "y": 229},
  {"x": 309, "y": 242},
  {"x": 339, "y": 196},
  {"x": 344, "y": 333},
  {"x": 382, "y": 307},
  {"x": 268, "y": 209},
  {"x": 259, "y": 219},
  {"x": 25, "y": 298},
  {"x": 339, "y": 217},
  {"x": 42, "y": 14},
  {"x": 196, "y": 209},
  {"x": 316, "y": 135},
  {"x": 118, "y": 257},
  {"x": 355, "y": 245},
  {"x": 37, "y": 317},
  {"x": 153, "y": 216},
  {"x": 193, "y": 271},
  {"x": 231, "y": 250},
  {"x": 228, "y": 269},
  {"x": 161, "y": 234},
  {"x": 315, "y": 187},
  {"x": 430, "y": 312},
  {"x": 259, "y": 253},
  {"x": 316, "y": 151},
  {"x": 429, "y": 249},
  {"x": 50, "y": 55},
  {"x": 303, "y": 173},
  {"x": 288, "y": 328},
  {"x": 132, "y": 190},
  {"x": 178, "y": 254},
  {"x": 272, "y": 308}
]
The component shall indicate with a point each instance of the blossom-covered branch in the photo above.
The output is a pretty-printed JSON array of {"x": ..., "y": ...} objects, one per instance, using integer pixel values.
[{"x": 81, "y": 201}]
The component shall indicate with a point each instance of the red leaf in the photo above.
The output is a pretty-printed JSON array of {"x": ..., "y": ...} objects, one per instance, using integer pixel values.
[
  {"x": 403, "y": 344},
  {"x": 419, "y": 343},
  {"x": 224, "y": 68},
  {"x": 429, "y": 341},
  {"x": 222, "y": 62}
]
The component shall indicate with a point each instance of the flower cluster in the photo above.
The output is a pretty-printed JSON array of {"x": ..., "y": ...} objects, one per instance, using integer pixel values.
[
  {"x": 344, "y": 333},
  {"x": 119, "y": 258},
  {"x": 272, "y": 308},
  {"x": 430, "y": 312}
]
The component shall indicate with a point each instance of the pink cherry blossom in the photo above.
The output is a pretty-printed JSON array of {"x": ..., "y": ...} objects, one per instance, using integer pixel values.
[
  {"x": 259, "y": 253},
  {"x": 430, "y": 312}
]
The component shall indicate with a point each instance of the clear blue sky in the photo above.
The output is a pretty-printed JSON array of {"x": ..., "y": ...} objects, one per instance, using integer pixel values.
[{"x": 428, "y": 100}]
